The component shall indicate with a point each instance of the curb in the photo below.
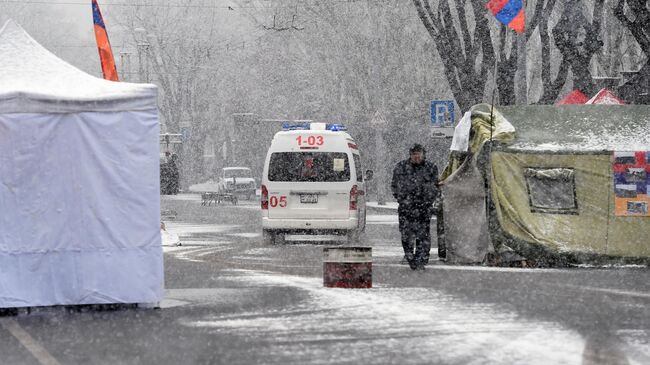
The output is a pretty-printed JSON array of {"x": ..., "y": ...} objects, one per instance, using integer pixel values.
[{"x": 385, "y": 209}]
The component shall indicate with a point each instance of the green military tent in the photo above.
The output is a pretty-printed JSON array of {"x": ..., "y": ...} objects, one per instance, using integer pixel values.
[{"x": 564, "y": 184}]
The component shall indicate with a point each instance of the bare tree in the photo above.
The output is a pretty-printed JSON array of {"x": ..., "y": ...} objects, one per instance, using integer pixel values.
[
  {"x": 459, "y": 48},
  {"x": 637, "y": 21},
  {"x": 621, "y": 52},
  {"x": 182, "y": 48},
  {"x": 472, "y": 44},
  {"x": 577, "y": 40}
]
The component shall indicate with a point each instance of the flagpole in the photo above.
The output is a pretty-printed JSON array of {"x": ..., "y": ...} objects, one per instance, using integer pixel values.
[
  {"x": 510, "y": 13},
  {"x": 521, "y": 96},
  {"x": 489, "y": 153},
  {"x": 109, "y": 70}
]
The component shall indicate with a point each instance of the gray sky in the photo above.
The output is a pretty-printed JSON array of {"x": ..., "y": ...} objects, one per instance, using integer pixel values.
[
  {"x": 65, "y": 27},
  {"x": 62, "y": 26}
]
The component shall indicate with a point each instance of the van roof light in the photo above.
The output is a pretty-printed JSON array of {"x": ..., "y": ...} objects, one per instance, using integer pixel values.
[
  {"x": 334, "y": 127},
  {"x": 294, "y": 126}
]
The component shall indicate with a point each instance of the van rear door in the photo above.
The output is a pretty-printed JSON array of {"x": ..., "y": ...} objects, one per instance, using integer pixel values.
[{"x": 309, "y": 185}]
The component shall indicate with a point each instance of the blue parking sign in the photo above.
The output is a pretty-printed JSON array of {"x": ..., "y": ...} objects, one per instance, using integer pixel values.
[
  {"x": 185, "y": 134},
  {"x": 442, "y": 113}
]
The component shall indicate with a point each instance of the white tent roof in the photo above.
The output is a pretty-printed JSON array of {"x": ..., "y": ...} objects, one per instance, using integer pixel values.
[
  {"x": 79, "y": 183},
  {"x": 32, "y": 79}
]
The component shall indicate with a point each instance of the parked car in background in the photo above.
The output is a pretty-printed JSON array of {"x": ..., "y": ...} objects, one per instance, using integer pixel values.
[{"x": 237, "y": 180}]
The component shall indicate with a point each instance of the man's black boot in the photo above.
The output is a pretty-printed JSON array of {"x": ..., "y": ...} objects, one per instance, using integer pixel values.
[
  {"x": 412, "y": 264},
  {"x": 419, "y": 264}
]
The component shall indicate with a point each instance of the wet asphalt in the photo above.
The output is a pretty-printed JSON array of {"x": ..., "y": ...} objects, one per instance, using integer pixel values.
[{"x": 231, "y": 300}]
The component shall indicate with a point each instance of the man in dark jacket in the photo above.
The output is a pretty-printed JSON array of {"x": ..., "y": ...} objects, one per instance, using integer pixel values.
[{"x": 415, "y": 187}]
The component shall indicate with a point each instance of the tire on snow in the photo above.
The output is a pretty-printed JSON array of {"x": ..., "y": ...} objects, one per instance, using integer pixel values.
[
  {"x": 354, "y": 235},
  {"x": 268, "y": 237}
]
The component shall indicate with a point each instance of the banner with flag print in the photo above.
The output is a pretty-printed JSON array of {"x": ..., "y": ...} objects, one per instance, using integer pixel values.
[
  {"x": 103, "y": 45},
  {"x": 512, "y": 13}
]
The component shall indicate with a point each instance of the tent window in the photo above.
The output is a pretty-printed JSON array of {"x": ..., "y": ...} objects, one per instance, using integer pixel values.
[{"x": 551, "y": 190}]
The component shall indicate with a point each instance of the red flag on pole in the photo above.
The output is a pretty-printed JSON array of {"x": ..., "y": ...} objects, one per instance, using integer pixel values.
[
  {"x": 512, "y": 13},
  {"x": 103, "y": 45}
]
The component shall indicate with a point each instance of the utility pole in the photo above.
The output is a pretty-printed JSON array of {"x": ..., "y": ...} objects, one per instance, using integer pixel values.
[
  {"x": 379, "y": 124},
  {"x": 521, "y": 75},
  {"x": 142, "y": 45},
  {"x": 125, "y": 63}
]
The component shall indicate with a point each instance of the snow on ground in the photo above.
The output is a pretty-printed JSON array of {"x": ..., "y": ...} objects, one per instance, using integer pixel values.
[
  {"x": 198, "y": 240},
  {"x": 388, "y": 205},
  {"x": 260, "y": 254},
  {"x": 394, "y": 250},
  {"x": 195, "y": 254},
  {"x": 245, "y": 234},
  {"x": 214, "y": 234},
  {"x": 251, "y": 204},
  {"x": 188, "y": 296},
  {"x": 184, "y": 196},
  {"x": 381, "y": 219},
  {"x": 183, "y": 229},
  {"x": 379, "y": 325},
  {"x": 401, "y": 325},
  {"x": 168, "y": 238}
]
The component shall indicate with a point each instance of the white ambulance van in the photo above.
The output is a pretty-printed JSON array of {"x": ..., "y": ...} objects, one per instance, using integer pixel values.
[{"x": 312, "y": 183}]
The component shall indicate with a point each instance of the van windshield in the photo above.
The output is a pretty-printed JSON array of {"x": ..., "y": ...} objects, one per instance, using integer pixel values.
[{"x": 309, "y": 166}]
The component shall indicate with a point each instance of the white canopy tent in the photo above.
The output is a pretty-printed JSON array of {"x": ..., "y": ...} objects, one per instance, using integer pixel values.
[{"x": 79, "y": 183}]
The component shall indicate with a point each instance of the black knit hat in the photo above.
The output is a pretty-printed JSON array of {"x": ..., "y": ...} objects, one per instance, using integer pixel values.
[{"x": 417, "y": 148}]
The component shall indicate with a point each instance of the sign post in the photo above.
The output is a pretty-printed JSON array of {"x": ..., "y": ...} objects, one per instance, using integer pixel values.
[
  {"x": 442, "y": 118},
  {"x": 170, "y": 138}
]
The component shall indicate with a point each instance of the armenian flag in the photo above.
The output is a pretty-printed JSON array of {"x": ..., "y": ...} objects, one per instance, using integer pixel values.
[
  {"x": 509, "y": 12},
  {"x": 103, "y": 45}
]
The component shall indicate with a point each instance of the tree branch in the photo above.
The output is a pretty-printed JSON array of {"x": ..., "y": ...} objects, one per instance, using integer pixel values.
[
  {"x": 462, "y": 18},
  {"x": 598, "y": 15},
  {"x": 482, "y": 33},
  {"x": 545, "y": 14},
  {"x": 552, "y": 89},
  {"x": 427, "y": 18},
  {"x": 634, "y": 27},
  {"x": 452, "y": 37}
]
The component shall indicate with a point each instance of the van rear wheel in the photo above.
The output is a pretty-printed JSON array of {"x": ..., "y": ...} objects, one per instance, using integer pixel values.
[
  {"x": 354, "y": 235},
  {"x": 268, "y": 237}
]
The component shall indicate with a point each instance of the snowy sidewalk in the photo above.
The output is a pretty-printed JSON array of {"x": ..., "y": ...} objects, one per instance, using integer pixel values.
[{"x": 388, "y": 207}]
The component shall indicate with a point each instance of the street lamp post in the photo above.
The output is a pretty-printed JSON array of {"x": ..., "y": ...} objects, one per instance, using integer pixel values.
[
  {"x": 142, "y": 45},
  {"x": 379, "y": 123},
  {"x": 125, "y": 63}
]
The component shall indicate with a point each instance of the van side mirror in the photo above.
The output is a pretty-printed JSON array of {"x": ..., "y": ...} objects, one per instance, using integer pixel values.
[{"x": 369, "y": 174}]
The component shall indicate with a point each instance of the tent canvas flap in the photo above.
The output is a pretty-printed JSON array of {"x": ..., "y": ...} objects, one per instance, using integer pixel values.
[
  {"x": 466, "y": 228},
  {"x": 79, "y": 183}
]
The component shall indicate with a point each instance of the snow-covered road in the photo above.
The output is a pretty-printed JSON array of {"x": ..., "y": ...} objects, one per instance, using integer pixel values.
[{"x": 385, "y": 324}]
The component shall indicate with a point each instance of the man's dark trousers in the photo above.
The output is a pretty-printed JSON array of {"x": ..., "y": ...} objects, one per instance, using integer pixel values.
[{"x": 415, "y": 230}]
